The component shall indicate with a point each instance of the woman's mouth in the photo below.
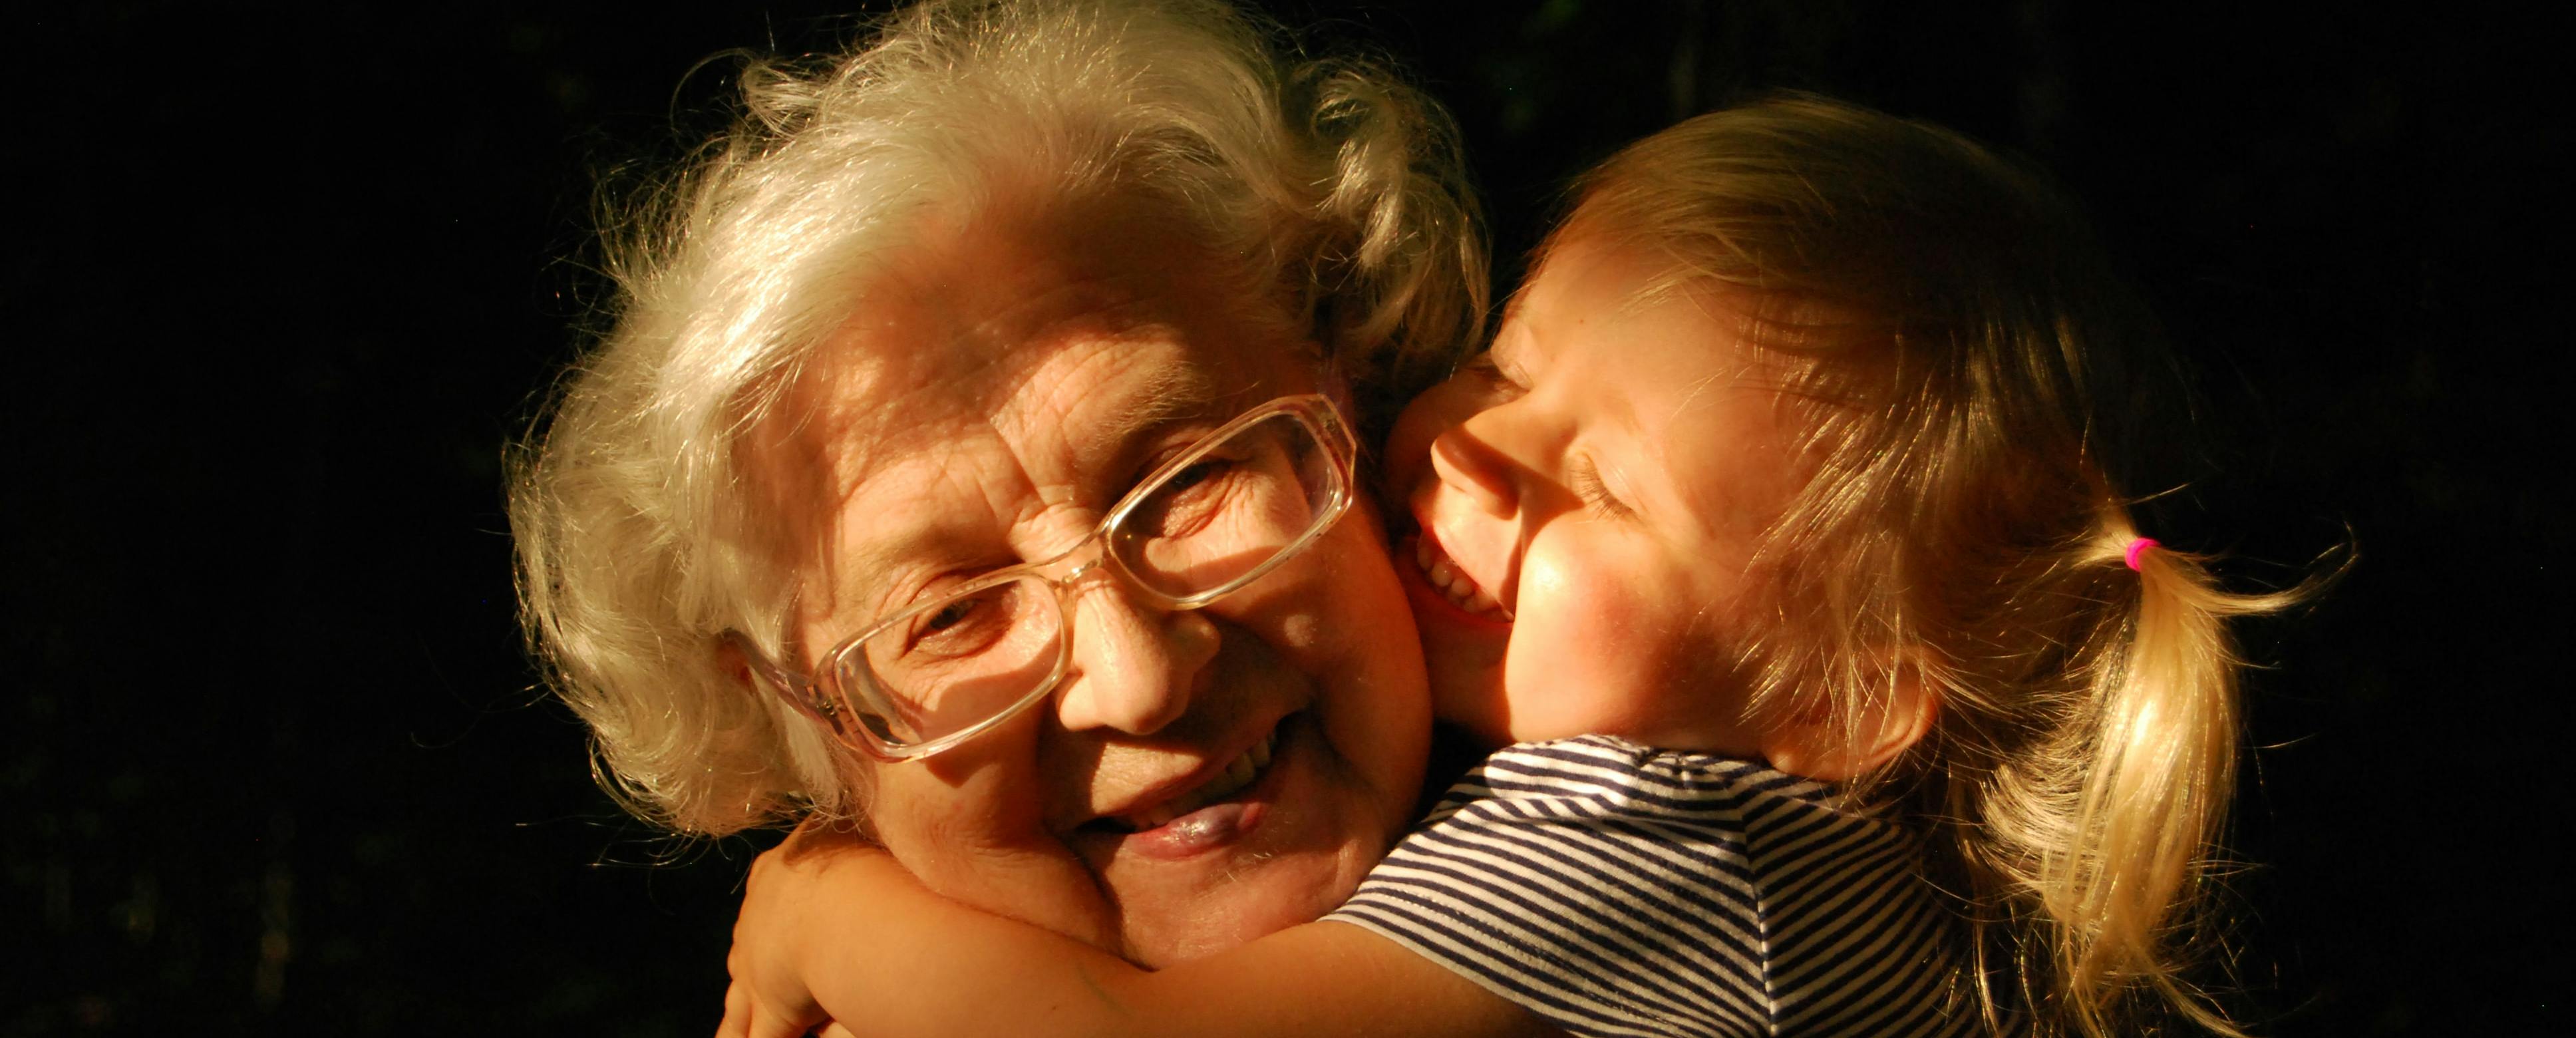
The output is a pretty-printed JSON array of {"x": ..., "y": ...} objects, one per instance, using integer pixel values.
[
  {"x": 1221, "y": 811},
  {"x": 1239, "y": 775},
  {"x": 1453, "y": 584}
]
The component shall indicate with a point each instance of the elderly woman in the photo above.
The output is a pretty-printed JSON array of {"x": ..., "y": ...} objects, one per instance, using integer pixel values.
[{"x": 973, "y": 458}]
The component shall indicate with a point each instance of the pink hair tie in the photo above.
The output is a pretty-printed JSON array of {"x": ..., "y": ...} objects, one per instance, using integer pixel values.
[{"x": 2136, "y": 546}]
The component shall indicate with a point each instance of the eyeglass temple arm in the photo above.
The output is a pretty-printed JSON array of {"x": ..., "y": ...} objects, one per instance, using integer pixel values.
[{"x": 798, "y": 693}]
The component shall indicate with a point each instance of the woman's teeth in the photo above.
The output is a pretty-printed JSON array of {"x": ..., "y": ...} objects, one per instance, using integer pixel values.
[
  {"x": 1237, "y": 775},
  {"x": 1454, "y": 584}
]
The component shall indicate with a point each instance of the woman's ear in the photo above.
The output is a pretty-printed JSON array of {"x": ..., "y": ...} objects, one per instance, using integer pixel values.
[
  {"x": 736, "y": 666},
  {"x": 744, "y": 666},
  {"x": 1824, "y": 749}
]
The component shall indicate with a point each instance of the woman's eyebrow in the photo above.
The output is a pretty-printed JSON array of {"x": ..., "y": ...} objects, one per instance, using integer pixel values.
[
  {"x": 904, "y": 537},
  {"x": 1131, "y": 426},
  {"x": 864, "y": 566},
  {"x": 1167, "y": 394}
]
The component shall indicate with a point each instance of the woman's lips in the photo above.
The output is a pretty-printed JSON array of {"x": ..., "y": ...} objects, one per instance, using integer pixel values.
[
  {"x": 1237, "y": 774},
  {"x": 1219, "y": 812},
  {"x": 1197, "y": 832}
]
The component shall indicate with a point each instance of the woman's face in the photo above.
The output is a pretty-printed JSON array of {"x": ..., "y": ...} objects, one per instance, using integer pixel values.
[{"x": 1001, "y": 388}]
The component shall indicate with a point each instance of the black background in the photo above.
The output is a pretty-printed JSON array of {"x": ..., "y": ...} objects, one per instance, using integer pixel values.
[{"x": 294, "y": 276}]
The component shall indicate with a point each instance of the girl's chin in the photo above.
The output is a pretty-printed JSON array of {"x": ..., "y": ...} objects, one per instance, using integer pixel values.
[
  {"x": 1463, "y": 656},
  {"x": 1472, "y": 701}
]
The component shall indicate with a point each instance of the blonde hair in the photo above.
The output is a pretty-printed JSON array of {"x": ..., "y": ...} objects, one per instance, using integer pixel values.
[
  {"x": 1963, "y": 362},
  {"x": 1339, "y": 188}
]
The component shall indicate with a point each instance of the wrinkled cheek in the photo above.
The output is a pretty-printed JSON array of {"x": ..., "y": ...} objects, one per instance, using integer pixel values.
[
  {"x": 1379, "y": 703},
  {"x": 1337, "y": 611},
  {"x": 973, "y": 831}
]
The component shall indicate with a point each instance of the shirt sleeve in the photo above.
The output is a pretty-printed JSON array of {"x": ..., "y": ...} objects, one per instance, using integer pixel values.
[{"x": 1552, "y": 878}]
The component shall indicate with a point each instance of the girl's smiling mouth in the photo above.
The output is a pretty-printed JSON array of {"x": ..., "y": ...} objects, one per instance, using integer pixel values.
[
  {"x": 1450, "y": 582},
  {"x": 1445, "y": 576}
]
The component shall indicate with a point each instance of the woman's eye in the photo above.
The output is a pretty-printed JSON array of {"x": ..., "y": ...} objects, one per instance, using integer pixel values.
[
  {"x": 966, "y": 627},
  {"x": 1202, "y": 471},
  {"x": 941, "y": 632},
  {"x": 945, "y": 617},
  {"x": 1185, "y": 500}
]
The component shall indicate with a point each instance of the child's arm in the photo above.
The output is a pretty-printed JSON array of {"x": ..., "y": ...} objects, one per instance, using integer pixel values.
[{"x": 881, "y": 954}]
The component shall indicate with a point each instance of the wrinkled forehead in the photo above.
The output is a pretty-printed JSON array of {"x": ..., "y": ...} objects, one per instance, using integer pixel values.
[
  {"x": 871, "y": 417},
  {"x": 1003, "y": 368},
  {"x": 911, "y": 373}
]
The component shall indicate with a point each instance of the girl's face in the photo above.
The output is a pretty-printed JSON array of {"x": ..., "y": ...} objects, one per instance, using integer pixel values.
[{"x": 1589, "y": 494}]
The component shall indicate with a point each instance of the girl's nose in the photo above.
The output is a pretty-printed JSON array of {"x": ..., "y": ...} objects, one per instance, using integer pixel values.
[{"x": 1475, "y": 469}]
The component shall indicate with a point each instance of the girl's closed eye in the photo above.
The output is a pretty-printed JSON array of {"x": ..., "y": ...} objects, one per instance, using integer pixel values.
[{"x": 1595, "y": 492}]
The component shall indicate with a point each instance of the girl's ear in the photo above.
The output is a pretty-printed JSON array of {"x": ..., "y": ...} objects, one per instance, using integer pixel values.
[{"x": 1821, "y": 748}]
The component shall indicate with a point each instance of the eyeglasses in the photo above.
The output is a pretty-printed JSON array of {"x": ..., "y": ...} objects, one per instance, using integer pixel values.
[{"x": 1234, "y": 506}]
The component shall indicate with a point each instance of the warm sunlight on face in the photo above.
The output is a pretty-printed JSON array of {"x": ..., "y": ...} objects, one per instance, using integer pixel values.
[
  {"x": 1589, "y": 495},
  {"x": 1201, "y": 776}
]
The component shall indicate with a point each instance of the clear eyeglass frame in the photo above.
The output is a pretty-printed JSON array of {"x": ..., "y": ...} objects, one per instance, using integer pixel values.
[{"x": 858, "y": 717}]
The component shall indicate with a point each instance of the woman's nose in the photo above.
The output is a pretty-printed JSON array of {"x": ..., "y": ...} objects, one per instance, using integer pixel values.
[{"x": 1136, "y": 663}]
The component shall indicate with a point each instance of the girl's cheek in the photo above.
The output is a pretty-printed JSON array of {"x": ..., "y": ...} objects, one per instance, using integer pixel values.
[{"x": 1598, "y": 647}]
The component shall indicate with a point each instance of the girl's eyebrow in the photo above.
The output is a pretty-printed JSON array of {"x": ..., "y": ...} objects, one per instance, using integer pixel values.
[
  {"x": 1512, "y": 302},
  {"x": 1505, "y": 353}
]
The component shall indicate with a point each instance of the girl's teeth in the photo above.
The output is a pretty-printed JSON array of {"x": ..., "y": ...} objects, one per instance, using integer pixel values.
[{"x": 1454, "y": 584}]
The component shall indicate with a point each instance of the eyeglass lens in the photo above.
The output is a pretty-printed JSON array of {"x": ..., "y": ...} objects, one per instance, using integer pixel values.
[{"x": 1226, "y": 512}]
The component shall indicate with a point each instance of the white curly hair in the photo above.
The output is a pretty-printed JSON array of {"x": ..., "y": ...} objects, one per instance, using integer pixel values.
[{"x": 1339, "y": 187}]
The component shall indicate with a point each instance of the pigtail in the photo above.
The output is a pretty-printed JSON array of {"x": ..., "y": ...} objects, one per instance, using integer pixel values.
[
  {"x": 2083, "y": 796},
  {"x": 2121, "y": 888}
]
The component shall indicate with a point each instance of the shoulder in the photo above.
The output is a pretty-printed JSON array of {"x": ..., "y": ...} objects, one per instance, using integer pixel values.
[
  {"x": 1616, "y": 772},
  {"x": 1602, "y": 790},
  {"x": 1591, "y": 880}
]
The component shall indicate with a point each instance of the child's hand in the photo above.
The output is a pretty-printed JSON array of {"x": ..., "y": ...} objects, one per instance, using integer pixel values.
[
  {"x": 746, "y": 1016},
  {"x": 793, "y": 889}
]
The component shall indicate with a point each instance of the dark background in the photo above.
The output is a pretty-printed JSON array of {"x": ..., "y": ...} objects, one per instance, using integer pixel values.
[{"x": 273, "y": 762}]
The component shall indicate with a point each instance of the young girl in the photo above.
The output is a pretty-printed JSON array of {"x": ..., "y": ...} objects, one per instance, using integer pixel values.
[{"x": 1778, "y": 532}]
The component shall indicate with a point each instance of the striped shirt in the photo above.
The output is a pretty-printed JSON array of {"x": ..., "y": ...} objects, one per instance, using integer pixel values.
[{"x": 1618, "y": 889}]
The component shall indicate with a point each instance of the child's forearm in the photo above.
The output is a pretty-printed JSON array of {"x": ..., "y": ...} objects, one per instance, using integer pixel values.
[
  {"x": 920, "y": 964},
  {"x": 929, "y": 966}
]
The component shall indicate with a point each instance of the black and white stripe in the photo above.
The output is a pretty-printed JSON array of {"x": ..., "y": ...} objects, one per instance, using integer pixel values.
[{"x": 1617, "y": 889}]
